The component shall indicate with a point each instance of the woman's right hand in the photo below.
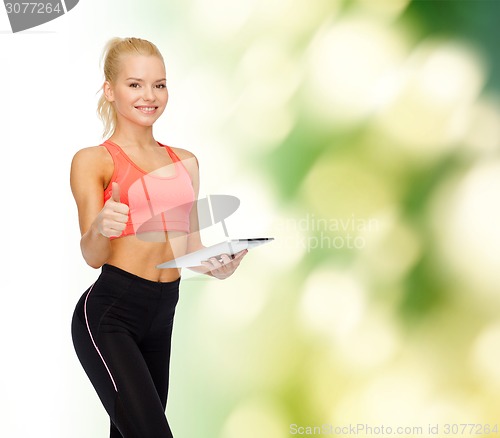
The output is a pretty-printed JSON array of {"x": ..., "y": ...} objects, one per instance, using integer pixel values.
[{"x": 112, "y": 219}]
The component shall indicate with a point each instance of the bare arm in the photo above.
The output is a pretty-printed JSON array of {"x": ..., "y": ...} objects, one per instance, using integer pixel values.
[{"x": 90, "y": 170}]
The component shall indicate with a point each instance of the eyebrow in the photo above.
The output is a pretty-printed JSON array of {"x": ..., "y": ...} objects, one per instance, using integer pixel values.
[{"x": 140, "y": 80}]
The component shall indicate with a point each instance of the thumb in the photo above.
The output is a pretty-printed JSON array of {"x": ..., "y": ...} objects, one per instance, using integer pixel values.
[{"x": 115, "y": 192}]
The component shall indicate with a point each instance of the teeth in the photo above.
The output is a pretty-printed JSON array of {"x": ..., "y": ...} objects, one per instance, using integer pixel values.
[{"x": 150, "y": 108}]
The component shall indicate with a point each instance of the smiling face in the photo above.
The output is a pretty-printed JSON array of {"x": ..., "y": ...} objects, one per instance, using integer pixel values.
[{"x": 139, "y": 94}]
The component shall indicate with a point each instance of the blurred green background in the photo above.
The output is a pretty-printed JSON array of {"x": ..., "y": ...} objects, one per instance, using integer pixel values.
[
  {"x": 365, "y": 135},
  {"x": 362, "y": 134}
]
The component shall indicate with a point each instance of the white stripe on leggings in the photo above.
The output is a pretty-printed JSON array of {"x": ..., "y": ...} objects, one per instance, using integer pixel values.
[{"x": 91, "y": 337}]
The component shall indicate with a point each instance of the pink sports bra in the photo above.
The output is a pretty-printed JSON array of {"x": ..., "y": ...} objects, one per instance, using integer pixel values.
[{"x": 156, "y": 203}]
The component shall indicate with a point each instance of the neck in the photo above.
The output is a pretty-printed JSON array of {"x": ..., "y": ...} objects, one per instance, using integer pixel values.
[{"x": 133, "y": 135}]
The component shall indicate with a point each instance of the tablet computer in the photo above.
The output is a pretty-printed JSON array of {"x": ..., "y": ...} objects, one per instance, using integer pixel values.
[{"x": 229, "y": 247}]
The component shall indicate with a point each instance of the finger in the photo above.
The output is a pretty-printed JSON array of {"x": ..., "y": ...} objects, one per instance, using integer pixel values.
[
  {"x": 115, "y": 192},
  {"x": 116, "y": 216},
  {"x": 240, "y": 254},
  {"x": 120, "y": 208},
  {"x": 231, "y": 257},
  {"x": 116, "y": 207},
  {"x": 208, "y": 265},
  {"x": 113, "y": 225},
  {"x": 237, "y": 260},
  {"x": 112, "y": 231},
  {"x": 235, "y": 264},
  {"x": 215, "y": 263},
  {"x": 226, "y": 259}
]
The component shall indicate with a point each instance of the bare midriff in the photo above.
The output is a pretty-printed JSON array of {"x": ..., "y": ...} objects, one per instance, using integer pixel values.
[{"x": 140, "y": 254}]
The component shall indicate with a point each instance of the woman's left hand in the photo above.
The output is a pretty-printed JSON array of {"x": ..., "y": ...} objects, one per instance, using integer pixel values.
[{"x": 224, "y": 267}]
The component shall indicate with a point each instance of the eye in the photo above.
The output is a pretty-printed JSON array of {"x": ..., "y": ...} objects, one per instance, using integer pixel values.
[
  {"x": 161, "y": 86},
  {"x": 134, "y": 85}
]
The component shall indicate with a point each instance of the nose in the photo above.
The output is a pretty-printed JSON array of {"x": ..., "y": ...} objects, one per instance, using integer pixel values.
[{"x": 149, "y": 94}]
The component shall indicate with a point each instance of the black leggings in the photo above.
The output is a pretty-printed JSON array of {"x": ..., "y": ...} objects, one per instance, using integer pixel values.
[{"x": 122, "y": 328}]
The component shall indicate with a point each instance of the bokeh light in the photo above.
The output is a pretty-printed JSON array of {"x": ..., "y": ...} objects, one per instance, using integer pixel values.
[{"x": 363, "y": 135}]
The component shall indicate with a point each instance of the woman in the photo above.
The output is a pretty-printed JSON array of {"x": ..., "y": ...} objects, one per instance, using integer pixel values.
[{"x": 136, "y": 207}]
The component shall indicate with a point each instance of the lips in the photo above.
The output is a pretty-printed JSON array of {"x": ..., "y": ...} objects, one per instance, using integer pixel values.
[{"x": 147, "y": 109}]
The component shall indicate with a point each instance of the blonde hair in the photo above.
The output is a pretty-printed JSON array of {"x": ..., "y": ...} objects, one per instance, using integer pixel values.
[{"x": 112, "y": 55}]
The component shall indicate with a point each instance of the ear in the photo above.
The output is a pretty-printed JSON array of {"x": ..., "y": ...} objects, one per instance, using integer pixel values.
[{"x": 108, "y": 91}]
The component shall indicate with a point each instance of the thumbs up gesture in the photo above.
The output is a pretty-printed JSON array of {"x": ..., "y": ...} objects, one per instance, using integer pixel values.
[{"x": 113, "y": 217}]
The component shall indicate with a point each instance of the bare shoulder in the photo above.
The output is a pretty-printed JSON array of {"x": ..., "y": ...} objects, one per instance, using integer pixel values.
[
  {"x": 93, "y": 162},
  {"x": 94, "y": 155},
  {"x": 183, "y": 154}
]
